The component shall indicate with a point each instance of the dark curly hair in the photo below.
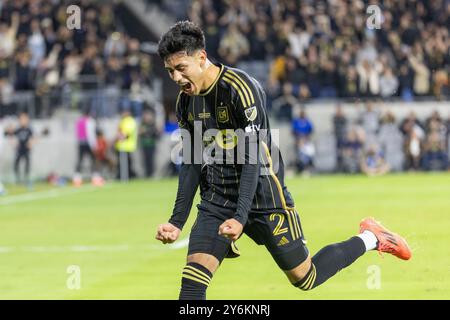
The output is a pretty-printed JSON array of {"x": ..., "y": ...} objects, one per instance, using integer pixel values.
[{"x": 183, "y": 36}]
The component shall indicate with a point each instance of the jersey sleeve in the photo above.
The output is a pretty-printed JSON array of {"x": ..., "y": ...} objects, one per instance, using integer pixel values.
[
  {"x": 181, "y": 114},
  {"x": 189, "y": 175}
]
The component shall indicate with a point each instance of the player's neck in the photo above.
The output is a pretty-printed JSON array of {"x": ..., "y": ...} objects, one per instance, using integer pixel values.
[{"x": 211, "y": 73}]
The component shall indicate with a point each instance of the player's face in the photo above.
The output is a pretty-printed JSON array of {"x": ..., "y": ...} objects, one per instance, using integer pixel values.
[
  {"x": 23, "y": 120},
  {"x": 187, "y": 70}
]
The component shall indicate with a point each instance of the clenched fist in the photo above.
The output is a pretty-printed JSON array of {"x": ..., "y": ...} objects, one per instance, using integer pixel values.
[
  {"x": 231, "y": 229},
  {"x": 167, "y": 233}
]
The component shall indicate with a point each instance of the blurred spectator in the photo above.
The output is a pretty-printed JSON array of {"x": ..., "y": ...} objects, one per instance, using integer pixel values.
[
  {"x": 104, "y": 164},
  {"x": 302, "y": 129},
  {"x": 24, "y": 75},
  {"x": 435, "y": 123},
  {"x": 302, "y": 126},
  {"x": 351, "y": 153},
  {"x": 212, "y": 34},
  {"x": 369, "y": 121},
  {"x": 283, "y": 107},
  {"x": 388, "y": 83},
  {"x": 413, "y": 150},
  {"x": 6, "y": 94},
  {"x": 413, "y": 136},
  {"x": 340, "y": 123},
  {"x": 260, "y": 45},
  {"x": 86, "y": 139},
  {"x": 406, "y": 82},
  {"x": 135, "y": 100},
  {"x": 125, "y": 145},
  {"x": 233, "y": 45},
  {"x": 305, "y": 155},
  {"x": 115, "y": 45},
  {"x": 8, "y": 36},
  {"x": 373, "y": 162},
  {"x": 294, "y": 72},
  {"x": 435, "y": 148},
  {"x": 441, "y": 88},
  {"x": 171, "y": 123},
  {"x": 390, "y": 141},
  {"x": 349, "y": 78},
  {"x": 435, "y": 156},
  {"x": 36, "y": 44},
  {"x": 328, "y": 79},
  {"x": 148, "y": 136},
  {"x": 369, "y": 78},
  {"x": 421, "y": 75}
]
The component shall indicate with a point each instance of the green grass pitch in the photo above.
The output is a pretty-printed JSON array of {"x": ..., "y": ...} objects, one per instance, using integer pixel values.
[{"x": 108, "y": 235}]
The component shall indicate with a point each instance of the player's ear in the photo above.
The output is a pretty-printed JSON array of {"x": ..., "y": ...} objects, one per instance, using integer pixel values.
[{"x": 202, "y": 56}]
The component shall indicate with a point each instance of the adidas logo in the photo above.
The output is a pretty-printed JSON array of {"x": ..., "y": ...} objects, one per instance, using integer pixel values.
[
  {"x": 390, "y": 238},
  {"x": 283, "y": 241}
]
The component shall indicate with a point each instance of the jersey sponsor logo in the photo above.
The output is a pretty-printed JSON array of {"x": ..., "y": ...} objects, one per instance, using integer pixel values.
[
  {"x": 252, "y": 128},
  {"x": 226, "y": 139},
  {"x": 251, "y": 113},
  {"x": 222, "y": 114},
  {"x": 204, "y": 115}
]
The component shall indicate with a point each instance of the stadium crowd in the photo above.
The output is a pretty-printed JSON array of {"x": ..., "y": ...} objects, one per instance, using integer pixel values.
[
  {"x": 39, "y": 53},
  {"x": 376, "y": 142},
  {"x": 323, "y": 49}
]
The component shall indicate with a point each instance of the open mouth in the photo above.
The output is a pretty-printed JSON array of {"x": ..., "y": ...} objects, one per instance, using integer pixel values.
[{"x": 186, "y": 87}]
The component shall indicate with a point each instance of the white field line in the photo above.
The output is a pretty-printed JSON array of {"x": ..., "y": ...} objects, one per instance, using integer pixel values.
[
  {"x": 179, "y": 244},
  {"x": 97, "y": 248},
  {"x": 40, "y": 195}
]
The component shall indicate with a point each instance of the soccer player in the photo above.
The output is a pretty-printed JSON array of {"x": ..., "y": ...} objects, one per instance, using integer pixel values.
[{"x": 246, "y": 196}]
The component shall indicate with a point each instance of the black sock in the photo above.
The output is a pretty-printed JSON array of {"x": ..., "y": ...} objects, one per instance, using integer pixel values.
[
  {"x": 329, "y": 260},
  {"x": 194, "y": 282}
]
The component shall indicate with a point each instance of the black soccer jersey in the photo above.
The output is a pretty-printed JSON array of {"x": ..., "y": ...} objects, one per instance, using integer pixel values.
[
  {"x": 232, "y": 110},
  {"x": 24, "y": 135}
]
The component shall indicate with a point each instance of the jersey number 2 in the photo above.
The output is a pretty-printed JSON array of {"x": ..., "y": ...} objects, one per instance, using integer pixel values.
[{"x": 278, "y": 230}]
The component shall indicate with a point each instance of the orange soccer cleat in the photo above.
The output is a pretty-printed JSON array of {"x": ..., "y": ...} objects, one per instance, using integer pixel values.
[{"x": 388, "y": 241}]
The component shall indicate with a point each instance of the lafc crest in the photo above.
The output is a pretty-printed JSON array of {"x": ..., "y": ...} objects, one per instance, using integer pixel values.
[{"x": 222, "y": 114}]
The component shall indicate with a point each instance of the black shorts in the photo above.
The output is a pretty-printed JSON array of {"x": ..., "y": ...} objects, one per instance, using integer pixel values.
[{"x": 279, "y": 230}]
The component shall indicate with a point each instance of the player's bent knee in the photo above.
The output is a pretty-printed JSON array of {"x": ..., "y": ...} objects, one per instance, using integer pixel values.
[
  {"x": 207, "y": 260},
  {"x": 194, "y": 282},
  {"x": 307, "y": 282},
  {"x": 299, "y": 272}
]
